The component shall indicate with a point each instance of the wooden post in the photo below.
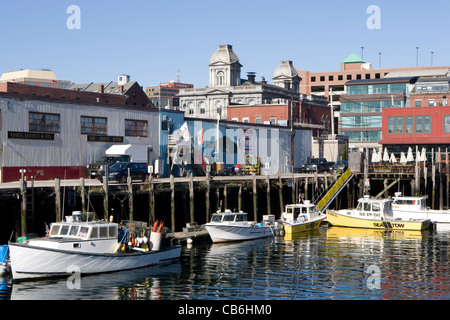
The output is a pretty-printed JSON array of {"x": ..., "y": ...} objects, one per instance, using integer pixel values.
[
  {"x": 57, "y": 199},
  {"x": 268, "y": 194},
  {"x": 105, "y": 194},
  {"x": 433, "y": 178},
  {"x": 32, "y": 202},
  {"x": 208, "y": 202},
  {"x": 441, "y": 187},
  {"x": 23, "y": 208},
  {"x": 447, "y": 170},
  {"x": 280, "y": 192},
  {"x": 191, "y": 197},
  {"x": 130, "y": 199},
  {"x": 225, "y": 198},
  {"x": 151, "y": 202},
  {"x": 255, "y": 198},
  {"x": 83, "y": 195},
  {"x": 306, "y": 188},
  {"x": 417, "y": 180},
  {"x": 172, "y": 202},
  {"x": 240, "y": 198}
]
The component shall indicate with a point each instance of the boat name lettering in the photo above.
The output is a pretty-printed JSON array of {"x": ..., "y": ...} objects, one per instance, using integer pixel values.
[{"x": 389, "y": 225}]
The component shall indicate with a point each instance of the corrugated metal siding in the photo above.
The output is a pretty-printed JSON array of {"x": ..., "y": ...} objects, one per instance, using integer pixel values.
[{"x": 69, "y": 147}]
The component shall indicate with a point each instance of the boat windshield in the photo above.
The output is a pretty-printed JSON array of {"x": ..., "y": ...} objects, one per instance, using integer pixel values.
[
  {"x": 216, "y": 218},
  {"x": 229, "y": 217},
  {"x": 241, "y": 217}
]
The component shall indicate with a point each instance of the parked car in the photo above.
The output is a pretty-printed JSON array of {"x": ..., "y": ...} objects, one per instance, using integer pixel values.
[
  {"x": 119, "y": 172},
  {"x": 93, "y": 170},
  {"x": 316, "y": 165},
  {"x": 339, "y": 166}
]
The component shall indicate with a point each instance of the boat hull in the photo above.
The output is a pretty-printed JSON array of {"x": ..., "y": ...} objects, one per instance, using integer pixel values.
[
  {"x": 337, "y": 219},
  {"x": 28, "y": 262},
  {"x": 226, "y": 233},
  {"x": 291, "y": 228}
]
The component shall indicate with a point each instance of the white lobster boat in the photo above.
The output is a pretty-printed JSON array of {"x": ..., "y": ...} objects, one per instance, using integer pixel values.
[
  {"x": 84, "y": 248},
  {"x": 234, "y": 226},
  {"x": 404, "y": 207}
]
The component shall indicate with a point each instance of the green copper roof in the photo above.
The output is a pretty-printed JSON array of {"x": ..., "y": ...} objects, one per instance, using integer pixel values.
[{"x": 353, "y": 58}]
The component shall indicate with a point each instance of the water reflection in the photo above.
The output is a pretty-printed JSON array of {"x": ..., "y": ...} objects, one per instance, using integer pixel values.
[
  {"x": 141, "y": 283},
  {"x": 328, "y": 263}
]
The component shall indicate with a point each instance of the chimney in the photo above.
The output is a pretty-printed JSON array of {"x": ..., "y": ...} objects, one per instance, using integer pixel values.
[
  {"x": 121, "y": 89},
  {"x": 251, "y": 77},
  {"x": 101, "y": 89}
]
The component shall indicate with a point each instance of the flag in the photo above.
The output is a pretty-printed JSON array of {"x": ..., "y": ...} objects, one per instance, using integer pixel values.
[
  {"x": 184, "y": 131},
  {"x": 200, "y": 137}
]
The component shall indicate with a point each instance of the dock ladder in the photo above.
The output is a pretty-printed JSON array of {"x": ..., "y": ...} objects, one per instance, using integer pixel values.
[{"x": 332, "y": 192}]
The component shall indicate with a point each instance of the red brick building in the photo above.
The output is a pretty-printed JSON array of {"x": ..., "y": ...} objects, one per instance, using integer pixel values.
[{"x": 307, "y": 111}]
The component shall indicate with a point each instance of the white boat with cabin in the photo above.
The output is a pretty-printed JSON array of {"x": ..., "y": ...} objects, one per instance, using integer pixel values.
[
  {"x": 405, "y": 207},
  {"x": 84, "y": 247},
  {"x": 234, "y": 226},
  {"x": 301, "y": 217}
]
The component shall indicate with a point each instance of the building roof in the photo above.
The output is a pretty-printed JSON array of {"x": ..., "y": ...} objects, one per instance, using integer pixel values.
[
  {"x": 47, "y": 75},
  {"x": 285, "y": 69},
  {"x": 420, "y": 73},
  {"x": 224, "y": 53},
  {"x": 353, "y": 58},
  {"x": 381, "y": 81},
  {"x": 108, "y": 87}
]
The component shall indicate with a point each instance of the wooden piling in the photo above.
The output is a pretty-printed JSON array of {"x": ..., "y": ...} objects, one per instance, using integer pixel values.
[
  {"x": 268, "y": 194},
  {"x": 105, "y": 194},
  {"x": 23, "y": 208},
  {"x": 151, "y": 201},
  {"x": 280, "y": 192},
  {"x": 255, "y": 198},
  {"x": 207, "y": 199},
  {"x": 83, "y": 195},
  {"x": 130, "y": 197},
  {"x": 172, "y": 202},
  {"x": 240, "y": 198},
  {"x": 191, "y": 197},
  {"x": 225, "y": 197},
  {"x": 57, "y": 199}
]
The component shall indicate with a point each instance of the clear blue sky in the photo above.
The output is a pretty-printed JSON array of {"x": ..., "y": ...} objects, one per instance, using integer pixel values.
[{"x": 150, "y": 40}]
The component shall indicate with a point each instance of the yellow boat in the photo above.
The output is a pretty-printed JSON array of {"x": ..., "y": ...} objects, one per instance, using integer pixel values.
[
  {"x": 301, "y": 217},
  {"x": 374, "y": 214}
]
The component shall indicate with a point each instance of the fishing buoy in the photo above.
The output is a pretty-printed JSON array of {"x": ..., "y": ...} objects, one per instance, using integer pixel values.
[
  {"x": 118, "y": 246},
  {"x": 189, "y": 241}
]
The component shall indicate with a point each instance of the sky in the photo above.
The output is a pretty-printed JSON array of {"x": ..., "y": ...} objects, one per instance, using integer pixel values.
[{"x": 153, "y": 41}]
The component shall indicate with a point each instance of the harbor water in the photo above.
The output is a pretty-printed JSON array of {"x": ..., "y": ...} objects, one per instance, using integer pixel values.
[{"x": 330, "y": 263}]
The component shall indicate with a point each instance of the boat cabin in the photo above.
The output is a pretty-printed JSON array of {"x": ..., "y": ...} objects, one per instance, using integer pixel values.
[
  {"x": 84, "y": 230},
  {"x": 229, "y": 217},
  {"x": 409, "y": 203},
  {"x": 296, "y": 211},
  {"x": 374, "y": 208}
]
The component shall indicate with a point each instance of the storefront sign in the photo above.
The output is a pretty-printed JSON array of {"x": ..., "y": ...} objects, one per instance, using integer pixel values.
[
  {"x": 100, "y": 138},
  {"x": 31, "y": 135}
]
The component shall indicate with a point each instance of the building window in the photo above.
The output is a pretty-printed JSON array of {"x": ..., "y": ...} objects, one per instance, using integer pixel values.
[
  {"x": 93, "y": 125},
  {"x": 273, "y": 120},
  {"x": 367, "y": 75},
  {"x": 235, "y": 119},
  {"x": 444, "y": 101},
  {"x": 395, "y": 125},
  {"x": 330, "y": 78},
  {"x": 136, "y": 128},
  {"x": 245, "y": 120},
  {"x": 340, "y": 77},
  {"x": 258, "y": 120},
  {"x": 409, "y": 125},
  {"x": 349, "y": 77},
  {"x": 377, "y": 76},
  {"x": 358, "y": 76},
  {"x": 220, "y": 78},
  {"x": 423, "y": 124},
  {"x": 322, "y": 78},
  {"x": 446, "y": 123},
  {"x": 43, "y": 122},
  {"x": 313, "y": 79},
  {"x": 418, "y": 103},
  {"x": 431, "y": 102}
]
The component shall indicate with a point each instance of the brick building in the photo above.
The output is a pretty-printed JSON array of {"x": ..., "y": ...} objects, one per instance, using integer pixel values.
[{"x": 165, "y": 94}]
